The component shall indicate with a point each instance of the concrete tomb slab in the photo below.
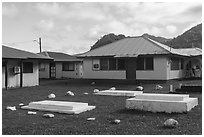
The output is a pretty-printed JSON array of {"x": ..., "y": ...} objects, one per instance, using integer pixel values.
[
  {"x": 119, "y": 93},
  {"x": 168, "y": 103},
  {"x": 59, "y": 106}
]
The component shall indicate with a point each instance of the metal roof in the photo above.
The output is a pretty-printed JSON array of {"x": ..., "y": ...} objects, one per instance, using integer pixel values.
[
  {"x": 58, "y": 56},
  {"x": 12, "y": 53},
  {"x": 134, "y": 46}
]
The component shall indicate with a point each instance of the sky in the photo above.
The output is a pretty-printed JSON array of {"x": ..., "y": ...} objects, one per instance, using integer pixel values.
[{"x": 73, "y": 27}]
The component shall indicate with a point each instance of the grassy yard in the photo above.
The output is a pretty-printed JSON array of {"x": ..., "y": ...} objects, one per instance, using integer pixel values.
[{"x": 107, "y": 108}]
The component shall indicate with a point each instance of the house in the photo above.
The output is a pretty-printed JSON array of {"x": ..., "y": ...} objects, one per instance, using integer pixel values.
[
  {"x": 140, "y": 58},
  {"x": 63, "y": 66},
  {"x": 20, "y": 68}
]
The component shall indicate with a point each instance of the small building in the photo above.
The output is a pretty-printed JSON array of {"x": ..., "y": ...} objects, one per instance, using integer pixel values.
[
  {"x": 140, "y": 58},
  {"x": 63, "y": 66},
  {"x": 20, "y": 68}
]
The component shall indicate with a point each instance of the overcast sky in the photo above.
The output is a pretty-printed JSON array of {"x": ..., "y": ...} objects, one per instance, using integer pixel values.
[{"x": 74, "y": 27}]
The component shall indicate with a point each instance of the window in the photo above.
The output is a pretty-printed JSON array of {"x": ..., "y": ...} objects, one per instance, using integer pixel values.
[
  {"x": 149, "y": 63},
  {"x": 146, "y": 63},
  {"x": 42, "y": 67},
  {"x": 27, "y": 67},
  {"x": 174, "y": 64},
  {"x": 121, "y": 64},
  {"x": 112, "y": 64},
  {"x": 182, "y": 64},
  {"x": 140, "y": 63},
  {"x": 68, "y": 66},
  {"x": 95, "y": 64},
  {"x": 104, "y": 64}
]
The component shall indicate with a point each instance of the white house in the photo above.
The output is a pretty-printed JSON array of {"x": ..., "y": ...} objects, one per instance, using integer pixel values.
[
  {"x": 140, "y": 58},
  {"x": 63, "y": 66},
  {"x": 20, "y": 68}
]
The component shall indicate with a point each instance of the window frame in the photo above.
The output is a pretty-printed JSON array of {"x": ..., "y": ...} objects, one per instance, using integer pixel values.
[
  {"x": 28, "y": 67},
  {"x": 68, "y": 63}
]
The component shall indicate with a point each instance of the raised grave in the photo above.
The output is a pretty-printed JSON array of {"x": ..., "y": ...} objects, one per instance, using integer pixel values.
[
  {"x": 59, "y": 106},
  {"x": 168, "y": 103},
  {"x": 119, "y": 93}
]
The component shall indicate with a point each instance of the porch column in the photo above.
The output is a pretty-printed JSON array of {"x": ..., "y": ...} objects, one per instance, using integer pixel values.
[
  {"x": 21, "y": 73},
  {"x": 6, "y": 75}
]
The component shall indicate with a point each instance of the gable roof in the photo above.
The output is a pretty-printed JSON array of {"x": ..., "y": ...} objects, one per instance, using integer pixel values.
[
  {"x": 134, "y": 46},
  {"x": 12, "y": 53},
  {"x": 58, "y": 56}
]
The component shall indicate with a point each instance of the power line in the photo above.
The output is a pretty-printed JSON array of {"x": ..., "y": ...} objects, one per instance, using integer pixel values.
[{"x": 12, "y": 43}]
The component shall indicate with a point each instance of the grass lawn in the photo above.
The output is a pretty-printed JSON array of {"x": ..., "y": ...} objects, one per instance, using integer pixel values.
[{"x": 133, "y": 122}]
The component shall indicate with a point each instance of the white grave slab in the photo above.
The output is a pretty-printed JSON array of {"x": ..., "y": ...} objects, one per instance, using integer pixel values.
[
  {"x": 168, "y": 103},
  {"x": 119, "y": 93},
  {"x": 59, "y": 106}
]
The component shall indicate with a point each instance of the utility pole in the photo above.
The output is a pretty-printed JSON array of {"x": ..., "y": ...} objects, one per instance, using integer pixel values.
[{"x": 40, "y": 44}]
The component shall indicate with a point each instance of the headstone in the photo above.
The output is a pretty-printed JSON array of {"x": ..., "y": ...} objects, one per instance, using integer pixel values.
[{"x": 171, "y": 88}]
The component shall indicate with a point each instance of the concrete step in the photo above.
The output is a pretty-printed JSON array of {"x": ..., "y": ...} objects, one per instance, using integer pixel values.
[{"x": 165, "y": 97}]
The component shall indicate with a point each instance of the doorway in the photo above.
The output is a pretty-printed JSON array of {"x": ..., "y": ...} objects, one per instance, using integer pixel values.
[
  {"x": 52, "y": 70},
  {"x": 131, "y": 69}
]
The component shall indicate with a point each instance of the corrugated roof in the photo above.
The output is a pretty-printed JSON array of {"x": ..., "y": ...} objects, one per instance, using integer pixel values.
[
  {"x": 58, "y": 56},
  {"x": 12, "y": 53},
  {"x": 134, "y": 46}
]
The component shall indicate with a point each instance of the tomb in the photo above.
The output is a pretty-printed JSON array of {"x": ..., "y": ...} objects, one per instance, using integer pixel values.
[
  {"x": 59, "y": 106},
  {"x": 119, "y": 93},
  {"x": 169, "y": 103}
]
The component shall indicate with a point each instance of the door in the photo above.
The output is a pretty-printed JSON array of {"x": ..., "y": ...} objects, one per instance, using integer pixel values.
[
  {"x": 131, "y": 69},
  {"x": 52, "y": 70}
]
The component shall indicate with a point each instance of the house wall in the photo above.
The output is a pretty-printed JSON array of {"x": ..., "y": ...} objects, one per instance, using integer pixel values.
[
  {"x": 159, "y": 72},
  {"x": 67, "y": 74},
  {"x": 29, "y": 79},
  {"x": 46, "y": 72},
  {"x": 174, "y": 74},
  {"x": 3, "y": 77},
  {"x": 88, "y": 73}
]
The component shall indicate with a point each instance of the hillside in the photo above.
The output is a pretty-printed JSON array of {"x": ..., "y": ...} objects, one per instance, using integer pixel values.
[
  {"x": 190, "y": 38},
  {"x": 106, "y": 39}
]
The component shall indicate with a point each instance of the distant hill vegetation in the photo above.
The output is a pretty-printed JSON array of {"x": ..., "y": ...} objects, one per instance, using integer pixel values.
[
  {"x": 190, "y": 38},
  {"x": 106, "y": 39}
]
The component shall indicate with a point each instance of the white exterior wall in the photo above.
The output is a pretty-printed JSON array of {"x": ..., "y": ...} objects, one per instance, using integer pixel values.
[
  {"x": 29, "y": 79},
  {"x": 98, "y": 74},
  {"x": 13, "y": 79},
  {"x": 66, "y": 74},
  {"x": 174, "y": 74},
  {"x": 159, "y": 72},
  {"x": 3, "y": 77},
  {"x": 46, "y": 72}
]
